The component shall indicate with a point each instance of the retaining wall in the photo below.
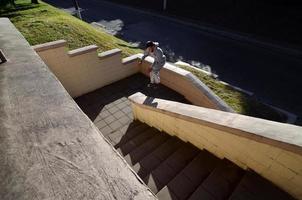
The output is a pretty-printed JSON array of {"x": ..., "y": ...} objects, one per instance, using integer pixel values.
[
  {"x": 272, "y": 149},
  {"x": 84, "y": 70}
]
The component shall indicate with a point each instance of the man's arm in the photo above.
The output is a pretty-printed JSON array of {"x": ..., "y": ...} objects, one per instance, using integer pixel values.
[{"x": 146, "y": 53}]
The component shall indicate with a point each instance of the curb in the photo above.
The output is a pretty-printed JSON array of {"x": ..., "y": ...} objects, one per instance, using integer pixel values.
[{"x": 291, "y": 117}]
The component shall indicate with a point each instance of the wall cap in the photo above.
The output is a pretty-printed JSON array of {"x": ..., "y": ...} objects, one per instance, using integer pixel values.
[
  {"x": 49, "y": 45},
  {"x": 217, "y": 101},
  {"x": 109, "y": 53},
  {"x": 83, "y": 50},
  {"x": 130, "y": 59},
  {"x": 280, "y": 135}
]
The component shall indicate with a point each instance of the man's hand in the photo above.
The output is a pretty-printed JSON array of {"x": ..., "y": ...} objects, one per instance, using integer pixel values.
[{"x": 140, "y": 62}]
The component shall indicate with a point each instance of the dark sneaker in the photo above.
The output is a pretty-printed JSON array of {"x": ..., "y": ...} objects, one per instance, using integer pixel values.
[
  {"x": 155, "y": 86},
  {"x": 150, "y": 85}
]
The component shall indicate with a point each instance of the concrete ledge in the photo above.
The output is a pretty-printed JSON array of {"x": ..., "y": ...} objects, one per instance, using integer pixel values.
[
  {"x": 83, "y": 50},
  {"x": 109, "y": 53},
  {"x": 272, "y": 149},
  {"x": 49, "y": 149},
  {"x": 50, "y": 45},
  {"x": 209, "y": 93},
  {"x": 188, "y": 85},
  {"x": 83, "y": 70},
  {"x": 130, "y": 59},
  {"x": 285, "y": 136}
]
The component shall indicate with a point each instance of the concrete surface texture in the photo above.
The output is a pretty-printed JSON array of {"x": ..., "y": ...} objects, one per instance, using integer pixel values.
[
  {"x": 272, "y": 76},
  {"x": 48, "y": 148},
  {"x": 274, "y": 150}
]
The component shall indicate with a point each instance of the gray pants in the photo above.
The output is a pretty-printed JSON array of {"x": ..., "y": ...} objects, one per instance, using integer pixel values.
[{"x": 155, "y": 77}]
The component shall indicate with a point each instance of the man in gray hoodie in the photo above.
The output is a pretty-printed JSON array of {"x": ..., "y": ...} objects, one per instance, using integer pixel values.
[{"x": 154, "y": 51}]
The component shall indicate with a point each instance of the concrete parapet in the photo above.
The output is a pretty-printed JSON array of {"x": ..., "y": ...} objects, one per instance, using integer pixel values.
[
  {"x": 272, "y": 149},
  {"x": 49, "y": 149},
  {"x": 188, "y": 85},
  {"x": 84, "y": 70}
]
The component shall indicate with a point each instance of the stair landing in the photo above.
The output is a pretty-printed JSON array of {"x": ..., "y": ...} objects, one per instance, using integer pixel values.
[
  {"x": 171, "y": 168},
  {"x": 110, "y": 109}
]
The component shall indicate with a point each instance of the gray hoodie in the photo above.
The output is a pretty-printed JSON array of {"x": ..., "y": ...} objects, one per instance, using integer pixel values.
[{"x": 159, "y": 57}]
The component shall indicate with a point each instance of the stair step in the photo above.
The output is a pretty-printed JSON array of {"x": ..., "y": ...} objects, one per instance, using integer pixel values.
[
  {"x": 111, "y": 135},
  {"x": 144, "y": 149},
  {"x": 254, "y": 187},
  {"x": 186, "y": 182},
  {"x": 137, "y": 141},
  {"x": 168, "y": 169},
  {"x": 152, "y": 160},
  {"x": 220, "y": 183},
  {"x": 121, "y": 137}
]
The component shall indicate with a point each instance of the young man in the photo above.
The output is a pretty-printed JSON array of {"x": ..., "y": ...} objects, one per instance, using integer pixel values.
[{"x": 154, "y": 51}]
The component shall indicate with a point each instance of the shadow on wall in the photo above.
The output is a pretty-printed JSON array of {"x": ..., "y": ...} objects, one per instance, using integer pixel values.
[
  {"x": 96, "y": 102},
  {"x": 149, "y": 101}
]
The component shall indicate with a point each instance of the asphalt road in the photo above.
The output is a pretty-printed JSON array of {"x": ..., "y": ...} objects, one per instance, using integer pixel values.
[{"x": 274, "y": 78}]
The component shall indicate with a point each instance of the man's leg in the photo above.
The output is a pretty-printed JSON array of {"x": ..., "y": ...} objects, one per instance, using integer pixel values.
[
  {"x": 157, "y": 77},
  {"x": 151, "y": 79}
]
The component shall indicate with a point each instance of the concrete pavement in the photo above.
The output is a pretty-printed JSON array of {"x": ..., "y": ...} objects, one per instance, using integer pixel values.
[{"x": 272, "y": 76}]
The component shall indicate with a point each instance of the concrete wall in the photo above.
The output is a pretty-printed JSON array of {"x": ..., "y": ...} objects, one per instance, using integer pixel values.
[
  {"x": 49, "y": 149},
  {"x": 188, "y": 85},
  {"x": 83, "y": 70},
  {"x": 274, "y": 150}
]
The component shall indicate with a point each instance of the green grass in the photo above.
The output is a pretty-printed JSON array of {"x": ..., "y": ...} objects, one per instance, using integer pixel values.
[
  {"x": 43, "y": 23},
  {"x": 239, "y": 101}
]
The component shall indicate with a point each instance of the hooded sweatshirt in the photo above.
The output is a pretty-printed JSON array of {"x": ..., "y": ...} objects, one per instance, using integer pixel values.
[{"x": 158, "y": 55}]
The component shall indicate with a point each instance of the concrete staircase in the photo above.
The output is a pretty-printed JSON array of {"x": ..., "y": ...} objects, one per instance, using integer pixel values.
[{"x": 177, "y": 170}]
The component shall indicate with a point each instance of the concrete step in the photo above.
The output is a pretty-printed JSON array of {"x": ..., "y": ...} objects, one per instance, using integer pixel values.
[
  {"x": 153, "y": 160},
  {"x": 124, "y": 137},
  {"x": 254, "y": 187},
  {"x": 175, "y": 170},
  {"x": 147, "y": 147},
  {"x": 169, "y": 168},
  {"x": 139, "y": 139},
  {"x": 186, "y": 182},
  {"x": 220, "y": 184}
]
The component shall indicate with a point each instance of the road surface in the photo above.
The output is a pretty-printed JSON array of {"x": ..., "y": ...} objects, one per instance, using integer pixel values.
[{"x": 274, "y": 78}]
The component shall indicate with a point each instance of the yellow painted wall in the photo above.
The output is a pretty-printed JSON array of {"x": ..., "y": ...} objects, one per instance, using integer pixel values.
[
  {"x": 86, "y": 72},
  {"x": 282, "y": 167},
  {"x": 178, "y": 82}
]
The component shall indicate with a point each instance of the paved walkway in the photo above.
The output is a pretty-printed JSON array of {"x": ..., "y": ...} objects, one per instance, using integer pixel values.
[{"x": 109, "y": 108}]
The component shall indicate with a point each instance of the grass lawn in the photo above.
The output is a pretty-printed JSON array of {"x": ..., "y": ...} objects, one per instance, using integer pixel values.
[
  {"x": 43, "y": 23},
  {"x": 239, "y": 101}
]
